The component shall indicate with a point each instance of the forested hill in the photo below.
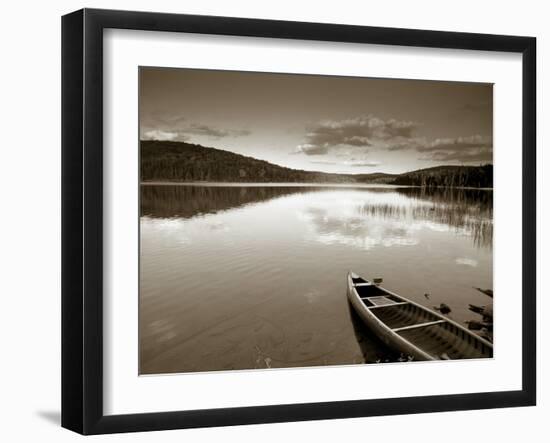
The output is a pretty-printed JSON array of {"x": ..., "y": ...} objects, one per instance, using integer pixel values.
[
  {"x": 449, "y": 176},
  {"x": 184, "y": 162}
]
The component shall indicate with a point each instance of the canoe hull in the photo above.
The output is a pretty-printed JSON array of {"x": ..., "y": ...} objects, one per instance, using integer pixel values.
[
  {"x": 463, "y": 343},
  {"x": 383, "y": 333}
]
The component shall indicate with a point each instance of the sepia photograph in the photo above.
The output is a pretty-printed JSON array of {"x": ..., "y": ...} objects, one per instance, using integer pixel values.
[{"x": 295, "y": 220}]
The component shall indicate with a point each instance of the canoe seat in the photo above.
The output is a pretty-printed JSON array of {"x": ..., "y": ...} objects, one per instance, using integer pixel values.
[
  {"x": 396, "y": 303},
  {"x": 418, "y": 325},
  {"x": 381, "y": 300}
]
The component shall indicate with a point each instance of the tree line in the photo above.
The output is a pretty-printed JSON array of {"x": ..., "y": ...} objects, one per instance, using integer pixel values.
[
  {"x": 449, "y": 176},
  {"x": 186, "y": 162}
]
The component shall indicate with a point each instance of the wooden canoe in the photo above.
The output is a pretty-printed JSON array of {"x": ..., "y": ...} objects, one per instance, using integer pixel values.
[{"x": 410, "y": 328}]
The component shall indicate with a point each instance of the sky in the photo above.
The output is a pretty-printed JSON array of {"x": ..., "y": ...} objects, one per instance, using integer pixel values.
[{"x": 321, "y": 123}]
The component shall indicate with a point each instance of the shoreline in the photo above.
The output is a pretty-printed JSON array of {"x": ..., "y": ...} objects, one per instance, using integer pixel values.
[{"x": 297, "y": 184}]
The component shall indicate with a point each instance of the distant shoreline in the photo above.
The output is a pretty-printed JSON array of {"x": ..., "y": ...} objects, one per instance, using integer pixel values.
[{"x": 297, "y": 184}]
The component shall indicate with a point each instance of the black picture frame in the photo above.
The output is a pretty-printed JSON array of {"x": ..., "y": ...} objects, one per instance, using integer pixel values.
[{"x": 82, "y": 219}]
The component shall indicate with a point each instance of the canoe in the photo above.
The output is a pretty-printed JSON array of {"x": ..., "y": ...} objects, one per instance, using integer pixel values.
[{"x": 410, "y": 328}]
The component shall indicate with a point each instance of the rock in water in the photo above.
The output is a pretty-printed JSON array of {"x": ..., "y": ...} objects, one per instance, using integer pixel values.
[
  {"x": 485, "y": 311},
  {"x": 443, "y": 308},
  {"x": 475, "y": 325},
  {"x": 488, "y": 292}
]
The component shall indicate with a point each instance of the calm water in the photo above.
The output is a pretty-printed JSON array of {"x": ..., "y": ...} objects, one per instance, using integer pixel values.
[{"x": 241, "y": 277}]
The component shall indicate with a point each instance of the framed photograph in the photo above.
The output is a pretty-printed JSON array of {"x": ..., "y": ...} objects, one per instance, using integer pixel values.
[{"x": 269, "y": 221}]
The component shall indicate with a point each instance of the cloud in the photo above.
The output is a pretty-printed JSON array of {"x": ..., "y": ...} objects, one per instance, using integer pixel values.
[
  {"x": 309, "y": 149},
  {"x": 402, "y": 143},
  {"x": 475, "y": 148},
  {"x": 176, "y": 128},
  {"x": 464, "y": 156},
  {"x": 157, "y": 134},
  {"x": 209, "y": 131},
  {"x": 352, "y": 163},
  {"x": 361, "y": 132},
  {"x": 453, "y": 144},
  {"x": 324, "y": 162},
  {"x": 157, "y": 119},
  {"x": 360, "y": 135},
  {"x": 369, "y": 164}
]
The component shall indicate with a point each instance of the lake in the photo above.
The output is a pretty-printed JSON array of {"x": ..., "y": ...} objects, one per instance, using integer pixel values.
[{"x": 254, "y": 276}]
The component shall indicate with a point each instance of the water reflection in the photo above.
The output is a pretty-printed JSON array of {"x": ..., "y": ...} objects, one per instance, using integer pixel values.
[
  {"x": 467, "y": 210},
  {"x": 165, "y": 201},
  {"x": 356, "y": 229},
  {"x": 241, "y": 277},
  {"x": 378, "y": 215},
  {"x": 364, "y": 220}
]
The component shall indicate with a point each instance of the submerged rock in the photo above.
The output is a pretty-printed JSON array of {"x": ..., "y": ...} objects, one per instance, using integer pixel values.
[
  {"x": 443, "y": 308},
  {"x": 485, "y": 311}
]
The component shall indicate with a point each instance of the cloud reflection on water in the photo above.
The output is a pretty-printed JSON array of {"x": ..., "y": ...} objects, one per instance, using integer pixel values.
[
  {"x": 466, "y": 261},
  {"x": 365, "y": 217},
  {"x": 370, "y": 218},
  {"x": 330, "y": 226}
]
